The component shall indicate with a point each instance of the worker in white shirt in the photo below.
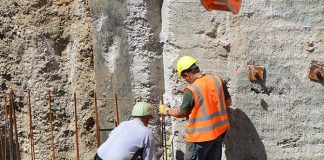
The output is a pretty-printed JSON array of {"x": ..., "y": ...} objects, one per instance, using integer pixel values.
[{"x": 130, "y": 140}]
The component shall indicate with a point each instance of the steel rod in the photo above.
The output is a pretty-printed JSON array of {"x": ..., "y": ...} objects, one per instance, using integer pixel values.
[
  {"x": 76, "y": 127},
  {"x": 11, "y": 141},
  {"x": 51, "y": 124},
  {"x": 31, "y": 128},
  {"x": 116, "y": 108},
  {"x": 162, "y": 130},
  {"x": 15, "y": 125},
  {"x": 165, "y": 141},
  {"x": 96, "y": 119},
  {"x": 5, "y": 129},
  {"x": 2, "y": 148},
  {"x": 164, "y": 134},
  {"x": 162, "y": 137}
]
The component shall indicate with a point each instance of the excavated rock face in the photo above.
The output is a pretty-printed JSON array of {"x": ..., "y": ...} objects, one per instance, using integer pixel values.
[
  {"x": 128, "y": 57},
  {"x": 278, "y": 118},
  {"x": 52, "y": 46},
  {"x": 127, "y": 49},
  {"x": 47, "y": 46}
]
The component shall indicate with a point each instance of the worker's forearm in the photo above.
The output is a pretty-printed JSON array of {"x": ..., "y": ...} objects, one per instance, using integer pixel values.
[{"x": 175, "y": 112}]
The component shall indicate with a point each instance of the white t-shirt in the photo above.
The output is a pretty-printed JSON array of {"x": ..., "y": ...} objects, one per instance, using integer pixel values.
[{"x": 126, "y": 139}]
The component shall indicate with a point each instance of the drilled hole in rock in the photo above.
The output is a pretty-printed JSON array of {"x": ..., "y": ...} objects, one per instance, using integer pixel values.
[{"x": 90, "y": 122}]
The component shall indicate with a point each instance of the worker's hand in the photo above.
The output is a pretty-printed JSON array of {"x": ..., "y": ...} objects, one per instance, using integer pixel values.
[{"x": 163, "y": 109}]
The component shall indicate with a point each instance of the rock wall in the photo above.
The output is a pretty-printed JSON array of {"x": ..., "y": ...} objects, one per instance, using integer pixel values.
[
  {"x": 128, "y": 57},
  {"x": 128, "y": 49},
  {"x": 280, "y": 118},
  {"x": 47, "y": 46}
]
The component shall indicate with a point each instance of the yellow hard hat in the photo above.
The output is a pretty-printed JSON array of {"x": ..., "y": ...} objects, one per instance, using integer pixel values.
[
  {"x": 142, "y": 109},
  {"x": 184, "y": 63}
]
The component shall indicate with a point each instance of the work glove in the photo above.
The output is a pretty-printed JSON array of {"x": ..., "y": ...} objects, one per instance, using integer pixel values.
[{"x": 163, "y": 109}]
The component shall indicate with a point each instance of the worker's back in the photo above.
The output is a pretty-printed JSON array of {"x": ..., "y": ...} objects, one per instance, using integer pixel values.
[{"x": 126, "y": 139}]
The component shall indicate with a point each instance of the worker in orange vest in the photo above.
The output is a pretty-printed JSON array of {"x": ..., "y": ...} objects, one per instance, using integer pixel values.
[{"x": 204, "y": 105}]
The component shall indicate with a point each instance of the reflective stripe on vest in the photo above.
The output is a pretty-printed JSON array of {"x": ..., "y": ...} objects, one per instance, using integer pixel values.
[
  {"x": 203, "y": 107},
  {"x": 206, "y": 117}
]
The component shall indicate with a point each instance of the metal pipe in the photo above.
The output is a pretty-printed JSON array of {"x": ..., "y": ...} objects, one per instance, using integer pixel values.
[
  {"x": 31, "y": 128},
  {"x": 96, "y": 119},
  {"x": 116, "y": 108},
  {"x": 51, "y": 125},
  {"x": 15, "y": 125},
  {"x": 76, "y": 127}
]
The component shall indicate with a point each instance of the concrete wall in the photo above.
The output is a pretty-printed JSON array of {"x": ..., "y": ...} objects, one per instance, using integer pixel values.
[
  {"x": 128, "y": 56},
  {"x": 281, "y": 118}
]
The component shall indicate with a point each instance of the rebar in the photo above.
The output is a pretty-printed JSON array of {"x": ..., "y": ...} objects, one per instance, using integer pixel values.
[
  {"x": 76, "y": 127},
  {"x": 15, "y": 125},
  {"x": 2, "y": 148},
  {"x": 165, "y": 141},
  {"x": 11, "y": 141},
  {"x": 5, "y": 130},
  {"x": 116, "y": 109},
  {"x": 51, "y": 125},
  {"x": 96, "y": 119},
  {"x": 32, "y": 150},
  {"x": 9, "y": 132},
  {"x": 164, "y": 134}
]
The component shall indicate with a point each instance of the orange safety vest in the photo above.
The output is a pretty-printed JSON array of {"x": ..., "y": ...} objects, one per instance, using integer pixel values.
[{"x": 208, "y": 118}]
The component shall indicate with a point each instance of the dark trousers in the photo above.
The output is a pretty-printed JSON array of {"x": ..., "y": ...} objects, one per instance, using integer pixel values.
[
  {"x": 210, "y": 150},
  {"x": 97, "y": 157}
]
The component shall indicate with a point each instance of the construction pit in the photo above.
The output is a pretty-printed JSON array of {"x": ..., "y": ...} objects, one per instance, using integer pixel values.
[{"x": 71, "y": 71}]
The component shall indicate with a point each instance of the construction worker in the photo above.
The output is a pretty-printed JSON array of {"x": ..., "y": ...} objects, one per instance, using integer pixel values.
[
  {"x": 130, "y": 140},
  {"x": 204, "y": 105}
]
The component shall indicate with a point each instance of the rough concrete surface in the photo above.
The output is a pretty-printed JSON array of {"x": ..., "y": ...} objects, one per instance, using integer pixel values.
[
  {"x": 128, "y": 56},
  {"x": 280, "y": 118},
  {"x": 126, "y": 51}
]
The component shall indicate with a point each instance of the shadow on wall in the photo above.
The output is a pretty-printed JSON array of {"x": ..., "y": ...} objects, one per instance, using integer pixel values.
[{"x": 242, "y": 141}]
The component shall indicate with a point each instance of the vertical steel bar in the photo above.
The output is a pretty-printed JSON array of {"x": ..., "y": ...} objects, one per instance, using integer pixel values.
[
  {"x": 51, "y": 124},
  {"x": 76, "y": 127},
  {"x": 2, "y": 148},
  {"x": 5, "y": 129},
  {"x": 162, "y": 128},
  {"x": 11, "y": 141},
  {"x": 31, "y": 128},
  {"x": 164, "y": 133},
  {"x": 165, "y": 142},
  {"x": 2, "y": 131},
  {"x": 116, "y": 108},
  {"x": 96, "y": 119},
  {"x": 15, "y": 125}
]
